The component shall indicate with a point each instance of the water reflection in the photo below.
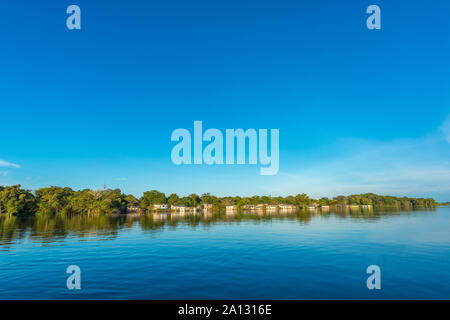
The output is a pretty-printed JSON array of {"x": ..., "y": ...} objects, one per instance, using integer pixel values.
[{"x": 46, "y": 229}]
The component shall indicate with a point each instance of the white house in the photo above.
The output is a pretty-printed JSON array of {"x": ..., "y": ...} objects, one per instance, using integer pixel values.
[
  {"x": 160, "y": 206},
  {"x": 287, "y": 207},
  {"x": 182, "y": 209}
]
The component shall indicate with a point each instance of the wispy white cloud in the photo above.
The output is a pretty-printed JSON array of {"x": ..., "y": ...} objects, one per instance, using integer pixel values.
[
  {"x": 7, "y": 164},
  {"x": 400, "y": 167},
  {"x": 446, "y": 128}
]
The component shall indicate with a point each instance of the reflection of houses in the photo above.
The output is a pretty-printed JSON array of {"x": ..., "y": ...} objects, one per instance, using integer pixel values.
[
  {"x": 133, "y": 210},
  {"x": 207, "y": 206},
  {"x": 289, "y": 207},
  {"x": 207, "y": 214},
  {"x": 230, "y": 210},
  {"x": 176, "y": 215},
  {"x": 159, "y": 216},
  {"x": 354, "y": 206},
  {"x": 160, "y": 206},
  {"x": 182, "y": 209}
]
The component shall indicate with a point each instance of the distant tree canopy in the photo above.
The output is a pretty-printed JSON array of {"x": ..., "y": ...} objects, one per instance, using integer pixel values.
[
  {"x": 131, "y": 200},
  {"x": 152, "y": 197},
  {"x": 16, "y": 201},
  {"x": 384, "y": 201},
  {"x": 52, "y": 200},
  {"x": 56, "y": 200}
]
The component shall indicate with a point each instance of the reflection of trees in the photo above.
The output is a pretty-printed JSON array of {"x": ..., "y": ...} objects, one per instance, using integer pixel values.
[
  {"x": 46, "y": 228},
  {"x": 10, "y": 229},
  {"x": 371, "y": 214},
  {"x": 148, "y": 222}
]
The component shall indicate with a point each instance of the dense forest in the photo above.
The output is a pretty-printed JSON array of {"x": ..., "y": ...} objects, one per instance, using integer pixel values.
[{"x": 16, "y": 201}]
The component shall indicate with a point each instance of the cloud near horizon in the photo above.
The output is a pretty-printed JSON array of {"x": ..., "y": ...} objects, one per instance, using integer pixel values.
[
  {"x": 409, "y": 167},
  {"x": 7, "y": 164}
]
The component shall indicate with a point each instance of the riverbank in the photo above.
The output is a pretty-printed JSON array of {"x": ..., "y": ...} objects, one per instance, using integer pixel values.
[{"x": 56, "y": 200}]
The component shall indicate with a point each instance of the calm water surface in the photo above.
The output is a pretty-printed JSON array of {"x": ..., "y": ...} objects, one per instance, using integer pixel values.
[{"x": 303, "y": 255}]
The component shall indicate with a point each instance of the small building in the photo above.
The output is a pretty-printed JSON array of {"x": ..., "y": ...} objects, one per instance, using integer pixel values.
[
  {"x": 289, "y": 207},
  {"x": 249, "y": 207},
  {"x": 271, "y": 207},
  {"x": 160, "y": 207},
  {"x": 207, "y": 206},
  {"x": 230, "y": 208},
  {"x": 183, "y": 209},
  {"x": 312, "y": 206}
]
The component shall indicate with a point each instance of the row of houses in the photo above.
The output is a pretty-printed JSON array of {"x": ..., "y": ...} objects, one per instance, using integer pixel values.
[
  {"x": 339, "y": 206},
  {"x": 267, "y": 207},
  {"x": 312, "y": 206},
  {"x": 258, "y": 207},
  {"x": 353, "y": 206},
  {"x": 206, "y": 206},
  {"x": 165, "y": 208},
  {"x": 183, "y": 209}
]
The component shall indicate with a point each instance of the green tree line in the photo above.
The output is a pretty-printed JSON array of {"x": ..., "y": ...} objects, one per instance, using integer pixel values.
[{"x": 17, "y": 201}]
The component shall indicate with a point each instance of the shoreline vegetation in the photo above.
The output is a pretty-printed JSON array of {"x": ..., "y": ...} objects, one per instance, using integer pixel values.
[{"x": 15, "y": 201}]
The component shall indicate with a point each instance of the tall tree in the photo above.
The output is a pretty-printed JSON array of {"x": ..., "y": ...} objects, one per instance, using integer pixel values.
[
  {"x": 152, "y": 197},
  {"x": 17, "y": 201}
]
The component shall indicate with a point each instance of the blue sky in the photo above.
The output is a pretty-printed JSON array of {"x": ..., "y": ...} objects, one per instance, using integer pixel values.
[{"x": 358, "y": 110}]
